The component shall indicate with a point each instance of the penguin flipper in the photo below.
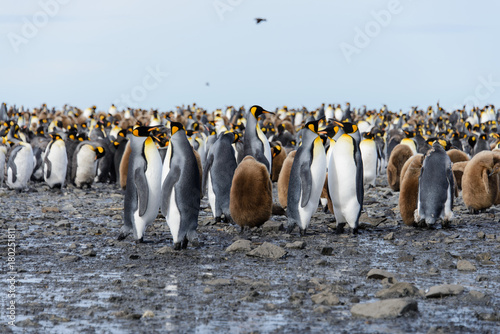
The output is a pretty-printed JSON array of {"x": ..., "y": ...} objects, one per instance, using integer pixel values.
[
  {"x": 48, "y": 167},
  {"x": 206, "y": 170},
  {"x": 305, "y": 182},
  {"x": 166, "y": 189},
  {"x": 141, "y": 185},
  {"x": 11, "y": 164}
]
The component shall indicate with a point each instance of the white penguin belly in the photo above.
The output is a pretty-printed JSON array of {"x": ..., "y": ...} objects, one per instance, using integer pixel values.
[
  {"x": 174, "y": 217},
  {"x": 267, "y": 148},
  {"x": 211, "y": 195},
  {"x": 86, "y": 166},
  {"x": 24, "y": 162},
  {"x": 368, "y": 150},
  {"x": 342, "y": 183},
  {"x": 318, "y": 173},
  {"x": 59, "y": 164}
]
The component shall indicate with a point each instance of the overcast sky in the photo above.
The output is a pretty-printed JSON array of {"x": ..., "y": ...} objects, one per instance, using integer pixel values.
[{"x": 161, "y": 54}]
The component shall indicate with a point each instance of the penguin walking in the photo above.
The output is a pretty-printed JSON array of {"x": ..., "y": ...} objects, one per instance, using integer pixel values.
[
  {"x": 369, "y": 155},
  {"x": 255, "y": 142},
  {"x": 435, "y": 188},
  {"x": 20, "y": 163},
  {"x": 55, "y": 162},
  {"x": 251, "y": 198},
  {"x": 180, "y": 188},
  {"x": 307, "y": 178},
  {"x": 84, "y": 164},
  {"x": 345, "y": 178},
  {"x": 218, "y": 175},
  {"x": 143, "y": 192}
]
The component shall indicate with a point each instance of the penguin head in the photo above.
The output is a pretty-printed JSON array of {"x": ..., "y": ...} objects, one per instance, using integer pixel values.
[
  {"x": 175, "y": 126},
  {"x": 143, "y": 131},
  {"x": 330, "y": 130},
  {"x": 347, "y": 126},
  {"x": 55, "y": 136},
  {"x": 276, "y": 150},
  {"x": 99, "y": 152},
  {"x": 312, "y": 125},
  {"x": 258, "y": 110}
]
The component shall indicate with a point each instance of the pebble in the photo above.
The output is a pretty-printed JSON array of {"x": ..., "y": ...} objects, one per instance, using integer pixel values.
[
  {"x": 326, "y": 251},
  {"x": 325, "y": 298},
  {"x": 398, "y": 290},
  {"x": 388, "y": 308},
  {"x": 464, "y": 265},
  {"x": 240, "y": 246},
  {"x": 444, "y": 290},
  {"x": 268, "y": 251},
  {"x": 379, "y": 274},
  {"x": 389, "y": 236},
  {"x": 480, "y": 235},
  {"x": 70, "y": 258},
  {"x": 148, "y": 314},
  {"x": 272, "y": 226},
  {"x": 296, "y": 245},
  {"x": 218, "y": 282}
]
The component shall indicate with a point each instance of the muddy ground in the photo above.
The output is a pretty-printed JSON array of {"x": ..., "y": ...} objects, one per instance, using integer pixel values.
[{"x": 74, "y": 276}]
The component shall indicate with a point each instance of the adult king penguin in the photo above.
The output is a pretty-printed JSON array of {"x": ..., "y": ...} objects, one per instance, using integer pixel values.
[
  {"x": 218, "y": 174},
  {"x": 180, "y": 188},
  {"x": 255, "y": 141},
  {"x": 307, "y": 178},
  {"x": 143, "y": 192},
  {"x": 345, "y": 177},
  {"x": 55, "y": 162},
  {"x": 435, "y": 188},
  {"x": 20, "y": 165}
]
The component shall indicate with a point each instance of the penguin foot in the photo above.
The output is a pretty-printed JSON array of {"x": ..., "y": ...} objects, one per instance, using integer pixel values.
[
  {"x": 218, "y": 219},
  {"x": 185, "y": 243},
  {"x": 355, "y": 231},
  {"x": 122, "y": 236},
  {"x": 340, "y": 228},
  {"x": 140, "y": 241},
  {"x": 177, "y": 246},
  {"x": 445, "y": 224},
  {"x": 302, "y": 232},
  {"x": 289, "y": 228}
]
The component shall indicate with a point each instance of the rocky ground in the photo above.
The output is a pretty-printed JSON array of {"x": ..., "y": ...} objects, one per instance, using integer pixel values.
[{"x": 74, "y": 276}]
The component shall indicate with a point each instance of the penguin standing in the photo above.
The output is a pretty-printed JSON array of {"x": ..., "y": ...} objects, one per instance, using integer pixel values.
[
  {"x": 143, "y": 192},
  {"x": 180, "y": 188},
  {"x": 398, "y": 157},
  {"x": 345, "y": 178},
  {"x": 435, "y": 188},
  {"x": 408, "y": 196},
  {"x": 55, "y": 162},
  {"x": 218, "y": 175},
  {"x": 20, "y": 163},
  {"x": 84, "y": 164},
  {"x": 307, "y": 178},
  {"x": 368, "y": 149},
  {"x": 3, "y": 154},
  {"x": 255, "y": 142},
  {"x": 279, "y": 156},
  {"x": 251, "y": 198}
]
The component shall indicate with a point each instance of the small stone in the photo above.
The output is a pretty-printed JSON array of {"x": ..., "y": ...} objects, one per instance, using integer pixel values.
[
  {"x": 321, "y": 309},
  {"x": 483, "y": 257},
  {"x": 27, "y": 323},
  {"x": 389, "y": 236},
  {"x": 326, "y": 251},
  {"x": 46, "y": 209},
  {"x": 398, "y": 290},
  {"x": 70, "y": 258},
  {"x": 490, "y": 236},
  {"x": 434, "y": 271},
  {"x": 480, "y": 235},
  {"x": 296, "y": 245},
  {"x": 379, "y": 274},
  {"x": 444, "y": 290},
  {"x": 62, "y": 223},
  {"x": 325, "y": 298},
  {"x": 464, "y": 265},
  {"x": 148, "y": 314},
  {"x": 489, "y": 316},
  {"x": 89, "y": 252},
  {"x": 207, "y": 290},
  {"x": 272, "y": 226},
  {"x": 73, "y": 246},
  {"x": 268, "y": 250},
  {"x": 321, "y": 262},
  {"x": 482, "y": 278},
  {"x": 476, "y": 295},
  {"x": 240, "y": 246},
  {"x": 218, "y": 282},
  {"x": 134, "y": 256},
  {"x": 405, "y": 258},
  {"x": 165, "y": 250},
  {"x": 388, "y": 308},
  {"x": 270, "y": 307}
]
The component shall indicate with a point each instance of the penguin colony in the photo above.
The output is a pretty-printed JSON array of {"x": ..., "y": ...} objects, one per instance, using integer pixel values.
[{"x": 168, "y": 161}]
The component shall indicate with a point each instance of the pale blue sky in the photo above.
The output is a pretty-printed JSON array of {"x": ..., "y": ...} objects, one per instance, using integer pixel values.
[{"x": 94, "y": 52}]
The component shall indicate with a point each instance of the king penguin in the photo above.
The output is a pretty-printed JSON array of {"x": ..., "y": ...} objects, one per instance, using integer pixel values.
[
  {"x": 218, "y": 174},
  {"x": 20, "y": 165},
  {"x": 307, "y": 179},
  {"x": 84, "y": 164},
  {"x": 435, "y": 188},
  {"x": 369, "y": 155},
  {"x": 143, "y": 192},
  {"x": 345, "y": 177},
  {"x": 255, "y": 141},
  {"x": 55, "y": 162},
  {"x": 180, "y": 188}
]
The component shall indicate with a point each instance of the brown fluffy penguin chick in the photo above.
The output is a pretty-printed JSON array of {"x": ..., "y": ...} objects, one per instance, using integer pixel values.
[
  {"x": 408, "y": 196},
  {"x": 457, "y": 155},
  {"x": 480, "y": 181},
  {"x": 399, "y": 155},
  {"x": 251, "y": 196},
  {"x": 200, "y": 169},
  {"x": 284, "y": 178},
  {"x": 279, "y": 156},
  {"x": 458, "y": 173},
  {"x": 124, "y": 166},
  {"x": 326, "y": 194}
]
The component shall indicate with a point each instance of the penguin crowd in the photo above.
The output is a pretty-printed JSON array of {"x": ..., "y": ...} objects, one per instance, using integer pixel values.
[{"x": 169, "y": 161}]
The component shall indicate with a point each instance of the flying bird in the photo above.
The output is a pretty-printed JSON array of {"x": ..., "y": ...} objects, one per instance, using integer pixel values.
[{"x": 259, "y": 20}]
